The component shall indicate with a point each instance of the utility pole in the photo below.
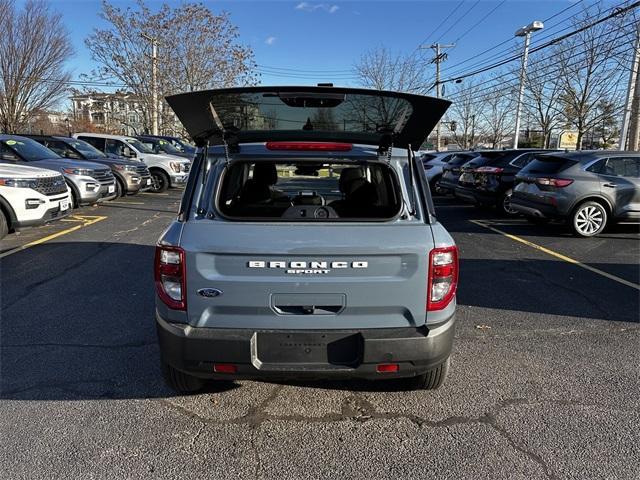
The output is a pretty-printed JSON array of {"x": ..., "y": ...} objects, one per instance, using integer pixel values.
[
  {"x": 154, "y": 82},
  {"x": 439, "y": 58},
  {"x": 526, "y": 33},
  {"x": 630, "y": 120}
]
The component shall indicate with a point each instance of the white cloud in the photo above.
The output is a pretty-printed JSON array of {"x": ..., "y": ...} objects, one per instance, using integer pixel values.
[
  {"x": 270, "y": 40},
  {"x": 314, "y": 7}
]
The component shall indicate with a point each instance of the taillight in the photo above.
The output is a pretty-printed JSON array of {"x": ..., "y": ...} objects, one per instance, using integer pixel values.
[
  {"x": 554, "y": 182},
  {"x": 170, "y": 275},
  {"x": 443, "y": 277},
  {"x": 310, "y": 146},
  {"x": 489, "y": 170}
]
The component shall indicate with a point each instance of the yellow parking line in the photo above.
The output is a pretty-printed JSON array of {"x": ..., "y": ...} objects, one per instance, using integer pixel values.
[
  {"x": 86, "y": 221},
  {"x": 126, "y": 203},
  {"x": 558, "y": 255}
]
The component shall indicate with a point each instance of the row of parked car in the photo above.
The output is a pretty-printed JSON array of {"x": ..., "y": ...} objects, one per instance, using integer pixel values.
[
  {"x": 44, "y": 177},
  {"x": 586, "y": 189}
]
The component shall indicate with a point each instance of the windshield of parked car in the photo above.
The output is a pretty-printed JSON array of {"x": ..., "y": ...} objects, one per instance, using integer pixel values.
[
  {"x": 86, "y": 149},
  {"x": 159, "y": 145},
  {"x": 307, "y": 191},
  {"x": 138, "y": 145},
  {"x": 29, "y": 150}
]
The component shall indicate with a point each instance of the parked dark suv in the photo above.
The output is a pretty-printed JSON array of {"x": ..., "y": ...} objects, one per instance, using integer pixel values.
[
  {"x": 131, "y": 176},
  {"x": 587, "y": 188},
  {"x": 488, "y": 180},
  {"x": 451, "y": 171}
]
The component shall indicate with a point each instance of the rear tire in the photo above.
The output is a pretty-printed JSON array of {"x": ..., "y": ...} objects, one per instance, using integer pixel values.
[
  {"x": 159, "y": 181},
  {"x": 435, "y": 186},
  {"x": 121, "y": 191},
  {"x": 505, "y": 205},
  {"x": 431, "y": 379},
  {"x": 4, "y": 225},
  {"x": 180, "y": 381},
  {"x": 589, "y": 219}
]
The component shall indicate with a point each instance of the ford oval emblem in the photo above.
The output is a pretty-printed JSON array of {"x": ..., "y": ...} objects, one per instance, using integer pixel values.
[{"x": 209, "y": 292}]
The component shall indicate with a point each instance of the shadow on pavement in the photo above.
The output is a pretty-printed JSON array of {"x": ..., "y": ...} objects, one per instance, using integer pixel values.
[{"x": 77, "y": 319}]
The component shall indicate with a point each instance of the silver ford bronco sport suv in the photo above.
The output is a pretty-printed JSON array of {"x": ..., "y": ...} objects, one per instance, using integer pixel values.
[{"x": 306, "y": 244}]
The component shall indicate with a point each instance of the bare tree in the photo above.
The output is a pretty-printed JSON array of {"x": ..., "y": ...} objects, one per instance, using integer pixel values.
[
  {"x": 497, "y": 114},
  {"x": 544, "y": 87},
  {"x": 465, "y": 112},
  {"x": 383, "y": 70},
  {"x": 34, "y": 46},
  {"x": 197, "y": 50},
  {"x": 590, "y": 70}
]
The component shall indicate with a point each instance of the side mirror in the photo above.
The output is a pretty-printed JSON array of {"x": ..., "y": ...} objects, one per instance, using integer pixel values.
[{"x": 127, "y": 152}]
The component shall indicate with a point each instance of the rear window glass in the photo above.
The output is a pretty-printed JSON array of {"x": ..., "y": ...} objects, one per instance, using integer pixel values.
[
  {"x": 458, "y": 159},
  {"x": 307, "y": 191},
  {"x": 548, "y": 164}
]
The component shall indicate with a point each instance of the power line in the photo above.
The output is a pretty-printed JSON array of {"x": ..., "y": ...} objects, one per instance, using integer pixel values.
[
  {"x": 549, "y": 32},
  {"x": 493, "y": 80},
  {"x": 512, "y": 84},
  {"x": 543, "y": 60},
  {"x": 554, "y": 41},
  {"x": 478, "y": 22},
  {"x": 459, "y": 20},
  {"x": 441, "y": 23}
]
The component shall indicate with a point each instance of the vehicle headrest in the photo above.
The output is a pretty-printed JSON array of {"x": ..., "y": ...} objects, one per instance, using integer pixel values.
[
  {"x": 254, "y": 192},
  {"x": 347, "y": 178},
  {"x": 265, "y": 173},
  {"x": 364, "y": 193}
]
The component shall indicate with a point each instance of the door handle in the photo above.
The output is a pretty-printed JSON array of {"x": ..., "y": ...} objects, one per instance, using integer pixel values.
[{"x": 610, "y": 185}]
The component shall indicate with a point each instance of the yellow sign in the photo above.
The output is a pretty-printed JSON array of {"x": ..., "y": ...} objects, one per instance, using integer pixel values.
[{"x": 568, "y": 140}]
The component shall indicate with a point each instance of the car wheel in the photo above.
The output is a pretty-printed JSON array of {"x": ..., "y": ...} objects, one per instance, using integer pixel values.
[
  {"x": 4, "y": 225},
  {"x": 435, "y": 186},
  {"x": 159, "y": 181},
  {"x": 120, "y": 190},
  {"x": 589, "y": 219},
  {"x": 505, "y": 204},
  {"x": 431, "y": 379},
  {"x": 180, "y": 381}
]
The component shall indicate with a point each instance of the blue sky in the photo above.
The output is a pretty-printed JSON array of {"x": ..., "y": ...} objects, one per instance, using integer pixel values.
[{"x": 331, "y": 35}]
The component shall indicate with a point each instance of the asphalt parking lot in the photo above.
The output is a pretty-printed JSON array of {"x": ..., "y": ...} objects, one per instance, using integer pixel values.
[{"x": 544, "y": 381}]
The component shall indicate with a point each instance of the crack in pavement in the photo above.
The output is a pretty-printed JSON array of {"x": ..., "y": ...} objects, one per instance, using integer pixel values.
[{"x": 355, "y": 408}]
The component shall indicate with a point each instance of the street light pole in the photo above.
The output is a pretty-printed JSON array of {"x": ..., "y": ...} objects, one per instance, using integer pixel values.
[
  {"x": 633, "y": 89},
  {"x": 154, "y": 82},
  {"x": 526, "y": 33}
]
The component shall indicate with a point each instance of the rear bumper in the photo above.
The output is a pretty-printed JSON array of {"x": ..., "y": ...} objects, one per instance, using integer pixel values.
[
  {"x": 466, "y": 193},
  {"x": 287, "y": 353},
  {"x": 535, "y": 209},
  {"x": 447, "y": 184}
]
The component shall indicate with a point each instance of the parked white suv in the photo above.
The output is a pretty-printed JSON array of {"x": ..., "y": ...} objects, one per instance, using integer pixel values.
[
  {"x": 30, "y": 197},
  {"x": 166, "y": 170}
]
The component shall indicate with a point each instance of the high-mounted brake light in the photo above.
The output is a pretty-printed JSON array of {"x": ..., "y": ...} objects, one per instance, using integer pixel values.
[
  {"x": 170, "y": 276},
  {"x": 310, "y": 146},
  {"x": 443, "y": 277},
  {"x": 554, "y": 182},
  {"x": 489, "y": 170}
]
